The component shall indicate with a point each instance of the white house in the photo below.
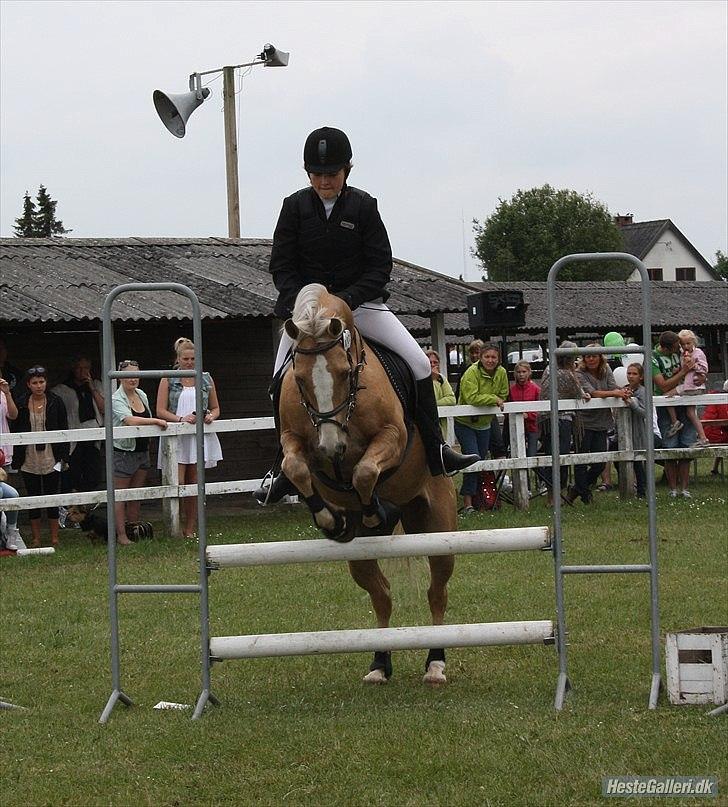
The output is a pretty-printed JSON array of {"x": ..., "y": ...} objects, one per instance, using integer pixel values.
[{"x": 664, "y": 250}]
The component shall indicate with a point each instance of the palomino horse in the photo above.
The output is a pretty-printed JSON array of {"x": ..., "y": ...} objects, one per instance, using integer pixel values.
[{"x": 342, "y": 430}]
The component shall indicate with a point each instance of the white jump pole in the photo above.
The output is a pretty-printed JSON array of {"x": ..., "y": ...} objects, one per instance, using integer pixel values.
[
  {"x": 409, "y": 638},
  {"x": 377, "y": 547}
]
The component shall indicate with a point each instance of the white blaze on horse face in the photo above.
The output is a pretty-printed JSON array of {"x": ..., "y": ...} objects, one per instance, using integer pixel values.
[{"x": 331, "y": 437}]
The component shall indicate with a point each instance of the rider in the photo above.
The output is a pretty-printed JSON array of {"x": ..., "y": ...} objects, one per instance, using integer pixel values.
[{"x": 331, "y": 233}]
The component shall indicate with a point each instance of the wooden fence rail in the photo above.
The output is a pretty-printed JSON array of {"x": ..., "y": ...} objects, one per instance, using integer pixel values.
[{"x": 518, "y": 463}]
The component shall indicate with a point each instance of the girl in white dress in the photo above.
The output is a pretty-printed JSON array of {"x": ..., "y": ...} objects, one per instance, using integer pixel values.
[{"x": 176, "y": 404}]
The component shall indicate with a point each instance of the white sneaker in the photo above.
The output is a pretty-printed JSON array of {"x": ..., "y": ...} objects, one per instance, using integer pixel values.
[
  {"x": 687, "y": 494},
  {"x": 673, "y": 494},
  {"x": 13, "y": 539}
]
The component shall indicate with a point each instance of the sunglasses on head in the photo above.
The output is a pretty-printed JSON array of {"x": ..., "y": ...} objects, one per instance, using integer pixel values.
[
  {"x": 128, "y": 363},
  {"x": 36, "y": 371}
]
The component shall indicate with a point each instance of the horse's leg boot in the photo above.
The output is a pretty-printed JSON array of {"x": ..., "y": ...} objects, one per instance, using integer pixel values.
[
  {"x": 389, "y": 515},
  {"x": 441, "y": 459}
]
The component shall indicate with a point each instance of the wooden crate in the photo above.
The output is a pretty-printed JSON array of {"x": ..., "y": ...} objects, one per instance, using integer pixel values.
[{"x": 697, "y": 665}]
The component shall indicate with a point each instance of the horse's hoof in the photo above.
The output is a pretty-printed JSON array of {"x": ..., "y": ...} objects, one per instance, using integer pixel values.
[
  {"x": 345, "y": 529},
  {"x": 389, "y": 515},
  {"x": 375, "y": 677},
  {"x": 435, "y": 674}
]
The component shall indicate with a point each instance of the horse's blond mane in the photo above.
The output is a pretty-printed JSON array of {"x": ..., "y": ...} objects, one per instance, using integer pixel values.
[{"x": 309, "y": 315}]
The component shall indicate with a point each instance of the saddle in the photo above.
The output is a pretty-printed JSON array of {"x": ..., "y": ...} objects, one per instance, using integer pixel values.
[{"x": 400, "y": 377}]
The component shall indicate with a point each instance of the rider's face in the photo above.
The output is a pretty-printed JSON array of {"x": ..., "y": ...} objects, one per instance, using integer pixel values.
[{"x": 328, "y": 186}]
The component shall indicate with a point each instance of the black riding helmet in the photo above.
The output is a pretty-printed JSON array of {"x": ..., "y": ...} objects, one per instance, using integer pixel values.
[{"x": 327, "y": 151}]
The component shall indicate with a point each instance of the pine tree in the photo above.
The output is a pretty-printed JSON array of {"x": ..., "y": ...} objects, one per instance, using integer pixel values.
[
  {"x": 25, "y": 225},
  {"x": 46, "y": 223}
]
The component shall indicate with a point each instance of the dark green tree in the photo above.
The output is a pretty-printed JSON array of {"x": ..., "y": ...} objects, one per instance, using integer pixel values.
[
  {"x": 527, "y": 234},
  {"x": 47, "y": 225},
  {"x": 721, "y": 264},
  {"x": 25, "y": 225}
]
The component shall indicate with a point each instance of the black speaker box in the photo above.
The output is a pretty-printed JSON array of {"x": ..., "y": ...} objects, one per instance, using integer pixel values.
[{"x": 496, "y": 310}]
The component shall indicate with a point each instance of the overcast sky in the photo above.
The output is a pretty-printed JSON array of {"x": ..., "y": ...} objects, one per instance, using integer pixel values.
[{"x": 448, "y": 106}]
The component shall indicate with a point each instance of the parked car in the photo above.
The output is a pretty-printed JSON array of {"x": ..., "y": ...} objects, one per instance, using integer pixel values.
[{"x": 532, "y": 355}]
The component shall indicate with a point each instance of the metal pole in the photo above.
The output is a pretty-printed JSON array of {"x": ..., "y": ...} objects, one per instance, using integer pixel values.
[
  {"x": 231, "y": 153},
  {"x": 109, "y": 365},
  {"x": 563, "y": 681}
]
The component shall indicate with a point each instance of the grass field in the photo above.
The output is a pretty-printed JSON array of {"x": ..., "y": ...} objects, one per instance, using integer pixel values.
[{"x": 306, "y": 730}]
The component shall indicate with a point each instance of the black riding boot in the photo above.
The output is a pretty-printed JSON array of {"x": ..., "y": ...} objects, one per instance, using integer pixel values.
[
  {"x": 275, "y": 484},
  {"x": 440, "y": 457}
]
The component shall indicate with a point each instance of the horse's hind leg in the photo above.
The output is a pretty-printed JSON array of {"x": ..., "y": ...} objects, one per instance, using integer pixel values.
[
  {"x": 435, "y": 511},
  {"x": 368, "y": 575},
  {"x": 441, "y": 569}
]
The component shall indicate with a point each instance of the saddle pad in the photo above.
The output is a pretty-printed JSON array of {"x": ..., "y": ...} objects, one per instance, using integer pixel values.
[{"x": 400, "y": 377}]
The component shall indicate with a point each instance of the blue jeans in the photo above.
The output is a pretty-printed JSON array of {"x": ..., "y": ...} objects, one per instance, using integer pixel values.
[
  {"x": 472, "y": 441},
  {"x": 7, "y": 492},
  {"x": 685, "y": 437}
]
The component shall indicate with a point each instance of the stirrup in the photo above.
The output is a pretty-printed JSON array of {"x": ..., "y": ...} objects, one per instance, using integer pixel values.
[
  {"x": 462, "y": 461},
  {"x": 278, "y": 487}
]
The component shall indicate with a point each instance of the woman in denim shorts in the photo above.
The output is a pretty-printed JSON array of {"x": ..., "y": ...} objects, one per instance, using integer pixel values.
[{"x": 130, "y": 407}]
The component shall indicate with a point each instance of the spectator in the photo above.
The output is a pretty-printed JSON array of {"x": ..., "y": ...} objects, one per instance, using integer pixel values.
[
  {"x": 667, "y": 373},
  {"x": 10, "y": 537},
  {"x": 11, "y": 374},
  {"x": 474, "y": 349},
  {"x": 176, "y": 404},
  {"x": 485, "y": 383},
  {"x": 524, "y": 389},
  {"x": 597, "y": 380},
  {"x": 8, "y": 412},
  {"x": 716, "y": 433},
  {"x": 636, "y": 402},
  {"x": 83, "y": 398},
  {"x": 567, "y": 386},
  {"x": 130, "y": 407},
  {"x": 694, "y": 384},
  {"x": 444, "y": 396},
  {"x": 41, "y": 464}
]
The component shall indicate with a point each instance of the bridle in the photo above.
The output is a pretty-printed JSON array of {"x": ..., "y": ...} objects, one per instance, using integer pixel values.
[{"x": 349, "y": 403}]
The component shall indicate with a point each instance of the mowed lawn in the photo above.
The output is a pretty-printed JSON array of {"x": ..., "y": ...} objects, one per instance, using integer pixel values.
[{"x": 307, "y": 730}]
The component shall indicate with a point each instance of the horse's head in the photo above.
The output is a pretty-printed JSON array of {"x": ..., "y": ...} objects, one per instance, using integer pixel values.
[{"x": 327, "y": 360}]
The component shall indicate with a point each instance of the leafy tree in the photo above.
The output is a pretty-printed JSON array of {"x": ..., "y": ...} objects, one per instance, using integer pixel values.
[
  {"x": 526, "y": 235},
  {"x": 40, "y": 222},
  {"x": 25, "y": 225},
  {"x": 47, "y": 225},
  {"x": 721, "y": 264}
]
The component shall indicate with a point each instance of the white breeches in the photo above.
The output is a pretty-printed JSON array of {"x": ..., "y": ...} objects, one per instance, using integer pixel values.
[{"x": 376, "y": 321}]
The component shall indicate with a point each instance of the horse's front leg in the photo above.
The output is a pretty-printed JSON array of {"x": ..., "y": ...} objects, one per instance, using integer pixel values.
[
  {"x": 383, "y": 452},
  {"x": 296, "y": 468}
]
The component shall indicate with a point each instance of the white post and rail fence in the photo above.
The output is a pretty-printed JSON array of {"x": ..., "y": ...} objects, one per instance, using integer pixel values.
[{"x": 517, "y": 465}]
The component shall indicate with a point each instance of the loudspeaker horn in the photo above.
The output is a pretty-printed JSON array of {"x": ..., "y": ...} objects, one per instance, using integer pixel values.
[{"x": 175, "y": 110}]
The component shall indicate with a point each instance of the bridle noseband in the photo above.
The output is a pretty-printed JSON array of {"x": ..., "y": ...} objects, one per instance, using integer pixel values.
[{"x": 349, "y": 403}]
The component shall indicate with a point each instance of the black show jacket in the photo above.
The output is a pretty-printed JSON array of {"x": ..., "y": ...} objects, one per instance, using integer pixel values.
[{"x": 349, "y": 253}]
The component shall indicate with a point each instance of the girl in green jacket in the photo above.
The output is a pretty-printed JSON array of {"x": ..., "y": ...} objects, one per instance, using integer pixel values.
[{"x": 482, "y": 384}]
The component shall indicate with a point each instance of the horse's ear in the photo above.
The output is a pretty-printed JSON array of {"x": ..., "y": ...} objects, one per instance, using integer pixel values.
[
  {"x": 336, "y": 326},
  {"x": 291, "y": 329}
]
